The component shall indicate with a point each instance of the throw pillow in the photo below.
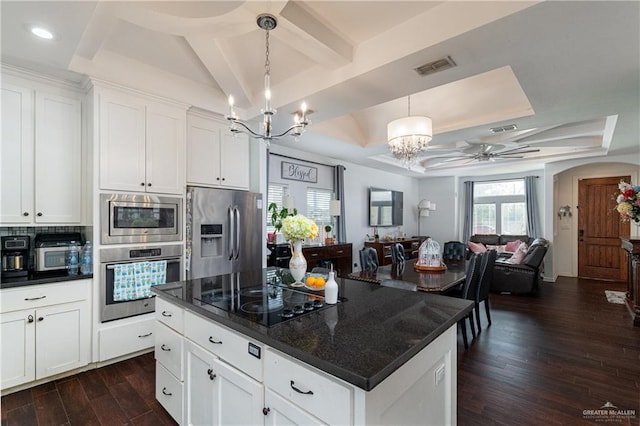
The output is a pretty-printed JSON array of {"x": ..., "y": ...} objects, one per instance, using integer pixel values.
[
  {"x": 517, "y": 257},
  {"x": 512, "y": 246},
  {"x": 476, "y": 247}
]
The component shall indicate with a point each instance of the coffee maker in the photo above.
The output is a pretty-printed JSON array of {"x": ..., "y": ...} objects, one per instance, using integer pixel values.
[{"x": 15, "y": 256}]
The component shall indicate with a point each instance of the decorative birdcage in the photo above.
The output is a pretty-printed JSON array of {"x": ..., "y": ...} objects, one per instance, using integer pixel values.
[{"x": 429, "y": 255}]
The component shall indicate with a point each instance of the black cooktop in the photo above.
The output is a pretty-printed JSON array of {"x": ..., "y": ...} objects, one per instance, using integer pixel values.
[{"x": 268, "y": 304}]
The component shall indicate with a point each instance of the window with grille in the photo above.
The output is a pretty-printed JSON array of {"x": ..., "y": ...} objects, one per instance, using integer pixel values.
[
  {"x": 275, "y": 194},
  {"x": 318, "y": 201},
  {"x": 499, "y": 208}
]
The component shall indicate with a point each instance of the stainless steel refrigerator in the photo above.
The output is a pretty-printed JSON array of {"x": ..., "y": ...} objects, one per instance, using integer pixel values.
[{"x": 224, "y": 231}]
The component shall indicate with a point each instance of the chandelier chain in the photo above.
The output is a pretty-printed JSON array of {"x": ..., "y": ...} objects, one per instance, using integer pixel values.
[{"x": 267, "y": 62}]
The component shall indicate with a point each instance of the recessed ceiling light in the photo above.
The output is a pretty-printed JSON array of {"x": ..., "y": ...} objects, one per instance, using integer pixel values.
[{"x": 42, "y": 33}]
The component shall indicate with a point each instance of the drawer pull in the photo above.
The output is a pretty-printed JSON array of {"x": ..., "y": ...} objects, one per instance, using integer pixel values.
[
  {"x": 35, "y": 298},
  {"x": 215, "y": 342},
  {"x": 167, "y": 314},
  {"x": 164, "y": 391},
  {"x": 145, "y": 335},
  {"x": 164, "y": 348},
  {"x": 30, "y": 318},
  {"x": 211, "y": 374},
  {"x": 299, "y": 391},
  {"x": 266, "y": 411}
]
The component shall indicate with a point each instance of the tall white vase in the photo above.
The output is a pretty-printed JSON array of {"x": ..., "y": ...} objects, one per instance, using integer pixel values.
[{"x": 297, "y": 264}]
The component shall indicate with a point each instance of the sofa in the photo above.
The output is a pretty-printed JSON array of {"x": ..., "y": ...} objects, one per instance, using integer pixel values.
[
  {"x": 499, "y": 240},
  {"x": 524, "y": 277}
]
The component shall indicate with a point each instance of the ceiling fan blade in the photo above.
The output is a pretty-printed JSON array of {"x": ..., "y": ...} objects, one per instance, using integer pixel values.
[
  {"x": 528, "y": 151},
  {"x": 517, "y": 148}
]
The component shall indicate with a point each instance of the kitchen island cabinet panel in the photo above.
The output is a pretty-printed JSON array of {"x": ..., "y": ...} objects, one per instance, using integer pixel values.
[
  {"x": 281, "y": 412},
  {"x": 170, "y": 393},
  {"x": 18, "y": 348},
  {"x": 218, "y": 394}
]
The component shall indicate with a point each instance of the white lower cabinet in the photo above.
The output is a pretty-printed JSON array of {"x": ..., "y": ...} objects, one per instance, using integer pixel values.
[
  {"x": 48, "y": 338},
  {"x": 126, "y": 337},
  {"x": 280, "y": 411},
  {"x": 218, "y": 394},
  {"x": 170, "y": 392}
]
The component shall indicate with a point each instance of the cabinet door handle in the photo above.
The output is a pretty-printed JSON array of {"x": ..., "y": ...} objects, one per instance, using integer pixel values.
[
  {"x": 164, "y": 391},
  {"x": 39, "y": 214},
  {"x": 141, "y": 183},
  {"x": 40, "y": 318},
  {"x": 35, "y": 298},
  {"x": 217, "y": 178},
  {"x": 223, "y": 179},
  {"x": 299, "y": 391},
  {"x": 30, "y": 318},
  {"x": 215, "y": 342},
  {"x": 167, "y": 314},
  {"x": 164, "y": 348},
  {"x": 145, "y": 335},
  {"x": 25, "y": 214},
  {"x": 265, "y": 411},
  {"x": 211, "y": 374},
  {"x": 149, "y": 184}
]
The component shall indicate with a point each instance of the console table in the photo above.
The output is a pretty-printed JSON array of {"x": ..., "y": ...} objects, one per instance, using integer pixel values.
[
  {"x": 383, "y": 248},
  {"x": 339, "y": 254},
  {"x": 632, "y": 247}
]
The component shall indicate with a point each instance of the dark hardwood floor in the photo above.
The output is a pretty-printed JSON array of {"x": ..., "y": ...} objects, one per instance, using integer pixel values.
[{"x": 545, "y": 360}]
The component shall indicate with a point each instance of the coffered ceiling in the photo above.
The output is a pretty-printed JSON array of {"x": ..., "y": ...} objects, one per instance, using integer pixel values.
[{"x": 567, "y": 74}]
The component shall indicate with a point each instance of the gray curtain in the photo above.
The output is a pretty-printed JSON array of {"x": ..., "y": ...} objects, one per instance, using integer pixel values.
[
  {"x": 531, "y": 204},
  {"x": 468, "y": 211},
  {"x": 338, "y": 184}
]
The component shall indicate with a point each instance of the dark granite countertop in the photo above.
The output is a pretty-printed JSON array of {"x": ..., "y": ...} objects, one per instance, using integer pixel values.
[
  {"x": 35, "y": 278},
  {"x": 361, "y": 340}
]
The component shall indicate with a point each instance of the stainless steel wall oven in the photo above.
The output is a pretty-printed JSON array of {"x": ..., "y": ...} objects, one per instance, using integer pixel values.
[{"x": 127, "y": 273}]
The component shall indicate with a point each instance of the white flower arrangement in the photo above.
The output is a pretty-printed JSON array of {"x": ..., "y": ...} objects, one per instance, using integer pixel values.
[{"x": 299, "y": 227}]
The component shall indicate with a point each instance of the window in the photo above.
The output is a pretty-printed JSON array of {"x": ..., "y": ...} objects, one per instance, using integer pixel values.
[
  {"x": 318, "y": 201},
  {"x": 275, "y": 194},
  {"x": 498, "y": 208}
]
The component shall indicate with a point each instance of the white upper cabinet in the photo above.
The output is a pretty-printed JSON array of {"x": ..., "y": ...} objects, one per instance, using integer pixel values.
[
  {"x": 142, "y": 144},
  {"x": 41, "y": 155},
  {"x": 215, "y": 157}
]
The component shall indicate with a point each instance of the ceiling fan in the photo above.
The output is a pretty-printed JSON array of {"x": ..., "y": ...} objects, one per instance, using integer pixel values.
[{"x": 483, "y": 152}]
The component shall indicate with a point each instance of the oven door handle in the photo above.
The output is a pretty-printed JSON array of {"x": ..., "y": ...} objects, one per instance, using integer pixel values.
[
  {"x": 237, "y": 226},
  {"x": 168, "y": 261}
]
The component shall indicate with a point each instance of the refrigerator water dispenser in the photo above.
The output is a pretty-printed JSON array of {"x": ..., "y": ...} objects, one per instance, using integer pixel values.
[{"x": 211, "y": 240}]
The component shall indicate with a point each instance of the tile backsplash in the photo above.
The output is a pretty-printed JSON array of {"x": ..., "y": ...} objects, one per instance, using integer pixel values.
[{"x": 31, "y": 231}]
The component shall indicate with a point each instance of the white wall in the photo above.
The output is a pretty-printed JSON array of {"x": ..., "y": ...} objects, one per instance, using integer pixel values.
[{"x": 442, "y": 224}]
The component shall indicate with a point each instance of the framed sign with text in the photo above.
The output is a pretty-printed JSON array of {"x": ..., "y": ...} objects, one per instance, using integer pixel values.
[{"x": 299, "y": 172}]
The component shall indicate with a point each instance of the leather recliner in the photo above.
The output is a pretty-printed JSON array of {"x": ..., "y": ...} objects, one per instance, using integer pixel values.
[{"x": 524, "y": 277}]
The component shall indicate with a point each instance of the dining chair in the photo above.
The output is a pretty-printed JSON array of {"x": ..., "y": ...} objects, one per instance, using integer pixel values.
[
  {"x": 482, "y": 292},
  {"x": 468, "y": 291},
  {"x": 397, "y": 253},
  {"x": 402, "y": 285},
  {"x": 368, "y": 259},
  {"x": 454, "y": 250}
]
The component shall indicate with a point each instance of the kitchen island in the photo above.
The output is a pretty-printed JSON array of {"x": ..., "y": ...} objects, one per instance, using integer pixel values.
[{"x": 381, "y": 355}]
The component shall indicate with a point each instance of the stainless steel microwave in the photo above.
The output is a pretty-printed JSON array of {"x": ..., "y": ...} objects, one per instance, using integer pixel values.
[{"x": 131, "y": 218}]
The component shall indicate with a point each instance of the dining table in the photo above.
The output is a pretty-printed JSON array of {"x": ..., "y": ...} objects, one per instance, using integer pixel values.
[{"x": 438, "y": 281}]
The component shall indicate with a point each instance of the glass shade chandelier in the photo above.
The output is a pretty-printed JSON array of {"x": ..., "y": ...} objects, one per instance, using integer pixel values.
[
  {"x": 267, "y": 22},
  {"x": 408, "y": 136}
]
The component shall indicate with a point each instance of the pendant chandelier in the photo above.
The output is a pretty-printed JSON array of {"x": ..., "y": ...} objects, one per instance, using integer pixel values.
[
  {"x": 408, "y": 136},
  {"x": 267, "y": 22}
]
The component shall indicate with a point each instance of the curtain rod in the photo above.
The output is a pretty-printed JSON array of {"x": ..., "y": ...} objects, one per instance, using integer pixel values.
[
  {"x": 306, "y": 161},
  {"x": 496, "y": 180}
]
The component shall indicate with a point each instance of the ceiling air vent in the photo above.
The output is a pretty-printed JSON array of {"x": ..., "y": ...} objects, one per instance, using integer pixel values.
[
  {"x": 502, "y": 129},
  {"x": 435, "y": 66}
]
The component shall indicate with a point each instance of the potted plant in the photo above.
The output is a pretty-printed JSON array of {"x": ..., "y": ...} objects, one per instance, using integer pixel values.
[
  {"x": 328, "y": 239},
  {"x": 277, "y": 216}
]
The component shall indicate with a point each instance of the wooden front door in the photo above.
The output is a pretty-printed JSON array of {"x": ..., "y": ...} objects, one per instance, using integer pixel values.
[{"x": 600, "y": 255}]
